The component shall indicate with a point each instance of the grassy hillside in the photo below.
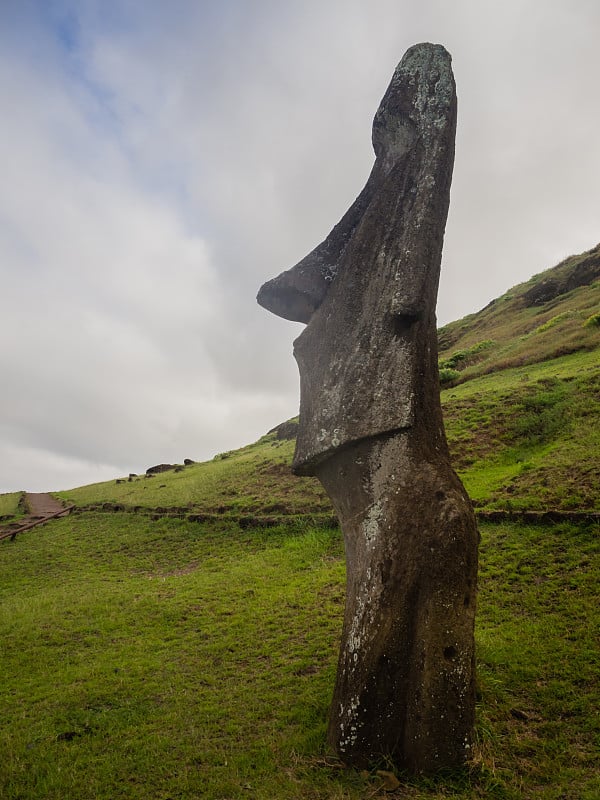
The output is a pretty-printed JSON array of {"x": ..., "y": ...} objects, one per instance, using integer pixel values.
[
  {"x": 521, "y": 438},
  {"x": 522, "y": 392},
  {"x": 254, "y": 479},
  {"x": 176, "y": 638},
  {"x": 521, "y": 398},
  {"x": 554, "y": 313},
  {"x": 9, "y": 504},
  {"x": 170, "y": 659},
  {"x": 529, "y": 437}
]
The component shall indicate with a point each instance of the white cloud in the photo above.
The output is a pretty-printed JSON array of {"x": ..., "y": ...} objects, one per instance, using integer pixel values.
[{"x": 161, "y": 162}]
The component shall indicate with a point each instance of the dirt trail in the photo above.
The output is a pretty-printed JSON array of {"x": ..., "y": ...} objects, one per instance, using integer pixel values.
[
  {"x": 42, "y": 504},
  {"x": 42, "y": 507}
]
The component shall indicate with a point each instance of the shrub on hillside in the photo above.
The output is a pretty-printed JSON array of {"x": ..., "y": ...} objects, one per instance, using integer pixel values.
[
  {"x": 465, "y": 357},
  {"x": 556, "y": 320},
  {"x": 592, "y": 322},
  {"x": 448, "y": 376}
]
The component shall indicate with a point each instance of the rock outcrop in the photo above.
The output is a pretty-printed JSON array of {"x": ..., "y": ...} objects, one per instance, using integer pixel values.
[
  {"x": 156, "y": 470},
  {"x": 574, "y": 272}
]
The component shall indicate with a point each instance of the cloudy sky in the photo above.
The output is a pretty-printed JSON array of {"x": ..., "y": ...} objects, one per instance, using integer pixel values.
[{"x": 161, "y": 160}]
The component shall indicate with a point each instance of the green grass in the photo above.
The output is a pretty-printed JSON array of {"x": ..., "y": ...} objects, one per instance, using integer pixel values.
[
  {"x": 146, "y": 656},
  {"x": 9, "y": 504},
  {"x": 176, "y": 660},
  {"x": 521, "y": 438},
  {"x": 593, "y": 321},
  {"x": 254, "y": 479},
  {"x": 538, "y": 654},
  {"x": 528, "y": 437},
  {"x": 522, "y": 333}
]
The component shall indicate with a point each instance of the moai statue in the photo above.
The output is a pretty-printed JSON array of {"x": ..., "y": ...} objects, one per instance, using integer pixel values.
[{"x": 371, "y": 430}]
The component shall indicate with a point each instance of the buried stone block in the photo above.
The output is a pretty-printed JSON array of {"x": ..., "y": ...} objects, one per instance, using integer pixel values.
[{"x": 371, "y": 430}]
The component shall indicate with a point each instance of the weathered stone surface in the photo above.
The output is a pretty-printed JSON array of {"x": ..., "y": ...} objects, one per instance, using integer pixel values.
[
  {"x": 406, "y": 678},
  {"x": 156, "y": 470},
  {"x": 371, "y": 429},
  {"x": 286, "y": 430},
  {"x": 585, "y": 271},
  {"x": 386, "y": 272}
]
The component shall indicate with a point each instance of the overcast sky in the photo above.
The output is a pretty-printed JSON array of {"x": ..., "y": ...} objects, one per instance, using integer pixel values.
[{"x": 161, "y": 160}]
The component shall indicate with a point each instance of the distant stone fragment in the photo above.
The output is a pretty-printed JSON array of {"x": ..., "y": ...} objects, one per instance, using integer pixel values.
[
  {"x": 371, "y": 429},
  {"x": 574, "y": 272},
  {"x": 286, "y": 430},
  {"x": 160, "y": 468}
]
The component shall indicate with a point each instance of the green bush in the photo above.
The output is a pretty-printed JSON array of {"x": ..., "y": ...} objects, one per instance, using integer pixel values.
[
  {"x": 223, "y": 456},
  {"x": 465, "y": 357},
  {"x": 592, "y": 322},
  {"x": 454, "y": 360},
  {"x": 556, "y": 320},
  {"x": 448, "y": 376}
]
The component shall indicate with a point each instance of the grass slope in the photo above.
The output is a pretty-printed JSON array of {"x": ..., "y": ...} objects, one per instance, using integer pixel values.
[
  {"x": 253, "y": 479},
  {"x": 521, "y": 398},
  {"x": 520, "y": 438},
  {"x": 9, "y": 504},
  {"x": 146, "y": 655},
  {"x": 168, "y": 659},
  {"x": 554, "y": 313},
  {"x": 529, "y": 437}
]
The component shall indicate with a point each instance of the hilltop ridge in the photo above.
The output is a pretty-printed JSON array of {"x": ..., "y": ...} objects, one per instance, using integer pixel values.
[
  {"x": 521, "y": 400},
  {"x": 554, "y": 313}
]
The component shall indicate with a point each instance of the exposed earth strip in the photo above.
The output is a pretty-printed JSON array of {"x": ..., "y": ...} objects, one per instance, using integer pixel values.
[
  {"x": 42, "y": 504},
  {"x": 42, "y": 507}
]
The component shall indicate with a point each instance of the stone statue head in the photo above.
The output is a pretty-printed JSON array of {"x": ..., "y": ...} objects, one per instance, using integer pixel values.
[{"x": 368, "y": 291}]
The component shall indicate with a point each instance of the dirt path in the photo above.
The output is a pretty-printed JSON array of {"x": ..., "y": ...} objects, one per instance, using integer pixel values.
[
  {"x": 42, "y": 504},
  {"x": 42, "y": 507}
]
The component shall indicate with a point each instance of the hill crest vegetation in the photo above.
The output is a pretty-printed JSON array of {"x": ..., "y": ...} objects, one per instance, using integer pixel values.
[{"x": 521, "y": 417}]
